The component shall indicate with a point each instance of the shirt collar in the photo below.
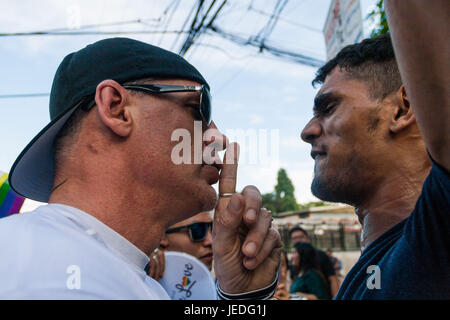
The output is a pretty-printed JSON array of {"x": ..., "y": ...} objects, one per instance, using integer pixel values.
[{"x": 104, "y": 234}]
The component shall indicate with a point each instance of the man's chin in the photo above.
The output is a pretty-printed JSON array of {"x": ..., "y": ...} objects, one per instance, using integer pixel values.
[
  {"x": 332, "y": 190},
  {"x": 321, "y": 189}
]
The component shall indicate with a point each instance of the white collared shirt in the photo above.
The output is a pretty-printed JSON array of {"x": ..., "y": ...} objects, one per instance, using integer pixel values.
[{"x": 60, "y": 252}]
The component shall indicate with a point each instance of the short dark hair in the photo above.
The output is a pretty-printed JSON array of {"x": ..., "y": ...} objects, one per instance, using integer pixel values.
[
  {"x": 67, "y": 134},
  {"x": 298, "y": 228},
  {"x": 308, "y": 256},
  {"x": 371, "y": 60}
]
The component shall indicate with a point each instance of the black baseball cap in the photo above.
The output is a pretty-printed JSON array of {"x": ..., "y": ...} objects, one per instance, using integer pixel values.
[{"x": 75, "y": 82}]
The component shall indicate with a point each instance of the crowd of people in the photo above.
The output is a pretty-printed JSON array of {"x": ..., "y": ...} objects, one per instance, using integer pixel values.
[
  {"x": 310, "y": 273},
  {"x": 116, "y": 200}
]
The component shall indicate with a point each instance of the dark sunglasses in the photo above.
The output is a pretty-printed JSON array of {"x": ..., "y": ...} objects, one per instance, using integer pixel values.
[
  {"x": 204, "y": 111},
  {"x": 197, "y": 231},
  {"x": 205, "y": 97}
]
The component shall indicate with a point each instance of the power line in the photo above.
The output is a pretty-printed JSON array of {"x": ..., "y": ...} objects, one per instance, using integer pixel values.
[
  {"x": 195, "y": 32},
  {"x": 287, "y": 20},
  {"x": 282, "y": 53},
  {"x": 201, "y": 30},
  {"x": 270, "y": 25},
  {"x": 215, "y": 14},
  {"x": 189, "y": 40},
  {"x": 23, "y": 95},
  {"x": 212, "y": 46},
  {"x": 90, "y": 26},
  {"x": 82, "y": 33},
  {"x": 182, "y": 28},
  {"x": 175, "y": 4}
]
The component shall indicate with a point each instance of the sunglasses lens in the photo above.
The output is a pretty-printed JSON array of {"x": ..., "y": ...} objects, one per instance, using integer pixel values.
[
  {"x": 199, "y": 230},
  {"x": 205, "y": 108}
]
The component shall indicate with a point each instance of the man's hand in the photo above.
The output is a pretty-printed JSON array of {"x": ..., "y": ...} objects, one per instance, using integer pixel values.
[{"x": 246, "y": 247}]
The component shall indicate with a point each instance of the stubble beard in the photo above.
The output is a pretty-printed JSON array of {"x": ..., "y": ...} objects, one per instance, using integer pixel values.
[{"x": 344, "y": 185}]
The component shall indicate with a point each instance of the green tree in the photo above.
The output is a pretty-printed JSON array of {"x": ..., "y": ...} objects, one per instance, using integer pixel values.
[
  {"x": 378, "y": 16},
  {"x": 269, "y": 202},
  {"x": 283, "y": 199}
]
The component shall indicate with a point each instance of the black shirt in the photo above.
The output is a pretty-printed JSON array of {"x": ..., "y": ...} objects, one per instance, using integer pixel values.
[{"x": 412, "y": 259}]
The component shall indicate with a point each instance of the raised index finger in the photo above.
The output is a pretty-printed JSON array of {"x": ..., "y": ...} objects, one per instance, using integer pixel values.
[
  {"x": 227, "y": 216},
  {"x": 228, "y": 174}
]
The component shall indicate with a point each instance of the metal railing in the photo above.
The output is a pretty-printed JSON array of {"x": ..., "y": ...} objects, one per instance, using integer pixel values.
[{"x": 338, "y": 237}]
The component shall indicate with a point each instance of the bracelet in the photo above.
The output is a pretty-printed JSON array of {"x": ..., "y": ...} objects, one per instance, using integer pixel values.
[{"x": 259, "y": 294}]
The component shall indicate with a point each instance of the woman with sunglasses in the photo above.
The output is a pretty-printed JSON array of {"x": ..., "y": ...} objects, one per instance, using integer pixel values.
[{"x": 192, "y": 236}]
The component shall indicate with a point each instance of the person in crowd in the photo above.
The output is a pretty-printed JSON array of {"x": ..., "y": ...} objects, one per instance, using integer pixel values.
[
  {"x": 309, "y": 282},
  {"x": 335, "y": 262},
  {"x": 192, "y": 236},
  {"x": 299, "y": 235},
  {"x": 380, "y": 139},
  {"x": 283, "y": 281}
]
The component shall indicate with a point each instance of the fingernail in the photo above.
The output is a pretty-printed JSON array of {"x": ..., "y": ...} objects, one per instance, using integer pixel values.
[
  {"x": 251, "y": 214},
  {"x": 235, "y": 204},
  {"x": 250, "y": 248}
]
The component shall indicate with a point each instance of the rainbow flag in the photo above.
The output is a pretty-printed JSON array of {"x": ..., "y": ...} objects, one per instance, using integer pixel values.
[{"x": 10, "y": 202}]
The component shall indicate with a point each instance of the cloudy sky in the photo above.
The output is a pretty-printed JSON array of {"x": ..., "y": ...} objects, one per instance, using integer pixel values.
[{"x": 251, "y": 90}]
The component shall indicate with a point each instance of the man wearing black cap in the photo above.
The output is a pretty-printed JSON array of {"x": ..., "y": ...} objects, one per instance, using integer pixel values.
[{"x": 104, "y": 164}]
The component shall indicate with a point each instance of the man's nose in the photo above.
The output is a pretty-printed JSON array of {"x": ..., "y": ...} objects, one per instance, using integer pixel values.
[{"x": 311, "y": 131}]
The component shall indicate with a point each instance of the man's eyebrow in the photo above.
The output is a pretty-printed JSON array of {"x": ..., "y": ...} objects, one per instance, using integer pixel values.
[{"x": 321, "y": 101}]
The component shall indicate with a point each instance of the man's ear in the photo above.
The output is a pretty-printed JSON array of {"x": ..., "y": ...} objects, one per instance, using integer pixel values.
[
  {"x": 111, "y": 99},
  {"x": 402, "y": 115}
]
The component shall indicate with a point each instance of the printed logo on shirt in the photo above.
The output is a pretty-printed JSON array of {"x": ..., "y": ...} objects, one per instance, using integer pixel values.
[{"x": 186, "y": 283}]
